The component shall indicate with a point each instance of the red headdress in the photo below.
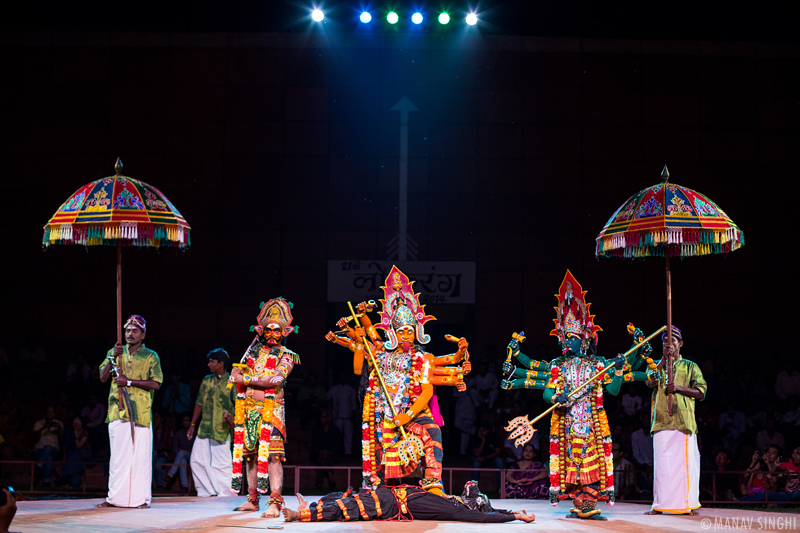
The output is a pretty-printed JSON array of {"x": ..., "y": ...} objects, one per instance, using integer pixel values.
[
  {"x": 572, "y": 314},
  {"x": 401, "y": 308},
  {"x": 276, "y": 311}
]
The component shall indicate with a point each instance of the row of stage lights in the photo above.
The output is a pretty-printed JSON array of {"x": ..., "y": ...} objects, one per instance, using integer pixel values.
[{"x": 393, "y": 18}]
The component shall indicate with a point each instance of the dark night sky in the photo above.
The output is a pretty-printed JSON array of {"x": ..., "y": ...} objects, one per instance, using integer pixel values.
[{"x": 707, "y": 20}]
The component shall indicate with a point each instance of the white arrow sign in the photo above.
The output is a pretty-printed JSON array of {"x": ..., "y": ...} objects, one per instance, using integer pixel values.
[{"x": 404, "y": 106}]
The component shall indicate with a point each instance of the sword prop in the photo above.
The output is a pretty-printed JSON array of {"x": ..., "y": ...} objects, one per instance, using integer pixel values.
[{"x": 123, "y": 394}]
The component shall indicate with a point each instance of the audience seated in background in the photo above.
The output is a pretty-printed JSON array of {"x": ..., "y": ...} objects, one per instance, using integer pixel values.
[
  {"x": 731, "y": 428},
  {"x": 162, "y": 446},
  {"x": 722, "y": 485},
  {"x": 767, "y": 437},
  {"x": 177, "y": 397},
  {"x": 464, "y": 418},
  {"x": 183, "y": 451},
  {"x": 326, "y": 445},
  {"x": 632, "y": 401},
  {"x": 48, "y": 432},
  {"x": 77, "y": 452},
  {"x": 788, "y": 381},
  {"x": 763, "y": 479},
  {"x": 624, "y": 476},
  {"x": 485, "y": 388},
  {"x": 792, "y": 469},
  {"x": 533, "y": 482},
  {"x": 485, "y": 451},
  {"x": 311, "y": 399},
  {"x": 642, "y": 444}
]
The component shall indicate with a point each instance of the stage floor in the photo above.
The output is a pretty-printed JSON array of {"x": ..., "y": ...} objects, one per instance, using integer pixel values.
[{"x": 214, "y": 514}]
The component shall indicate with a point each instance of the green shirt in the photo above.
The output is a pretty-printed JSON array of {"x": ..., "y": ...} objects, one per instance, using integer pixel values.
[
  {"x": 143, "y": 365},
  {"x": 215, "y": 399},
  {"x": 686, "y": 374}
]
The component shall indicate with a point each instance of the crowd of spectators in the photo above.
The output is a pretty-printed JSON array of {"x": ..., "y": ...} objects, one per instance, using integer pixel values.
[{"x": 749, "y": 443}]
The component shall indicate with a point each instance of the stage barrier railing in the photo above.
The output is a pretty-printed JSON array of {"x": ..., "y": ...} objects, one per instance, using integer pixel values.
[{"x": 447, "y": 478}]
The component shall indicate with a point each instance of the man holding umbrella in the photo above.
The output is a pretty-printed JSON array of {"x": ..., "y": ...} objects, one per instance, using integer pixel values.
[
  {"x": 135, "y": 374},
  {"x": 675, "y": 453}
]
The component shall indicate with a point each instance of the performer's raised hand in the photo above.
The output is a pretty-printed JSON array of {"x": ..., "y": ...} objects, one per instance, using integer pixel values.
[
  {"x": 507, "y": 367},
  {"x": 236, "y": 375},
  {"x": 330, "y": 336},
  {"x": 342, "y": 323},
  {"x": 401, "y": 419},
  {"x": 619, "y": 362}
]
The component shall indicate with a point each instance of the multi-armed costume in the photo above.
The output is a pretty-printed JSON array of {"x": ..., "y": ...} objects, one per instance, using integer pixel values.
[
  {"x": 409, "y": 374},
  {"x": 580, "y": 440}
]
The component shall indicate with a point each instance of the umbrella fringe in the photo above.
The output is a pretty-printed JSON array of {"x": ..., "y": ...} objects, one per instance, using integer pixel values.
[
  {"x": 109, "y": 234},
  {"x": 678, "y": 242}
]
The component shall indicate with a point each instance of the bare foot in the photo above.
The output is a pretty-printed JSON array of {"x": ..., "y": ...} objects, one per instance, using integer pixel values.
[
  {"x": 303, "y": 503},
  {"x": 144, "y": 506},
  {"x": 653, "y": 512},
  {"x": 525, "y": 517},
  {"x": 693, "y": 513},
  {"x": 104, "y": 504},
  {"x": 247, "y": 506},
  {"x": 272, "y": 512},
  {"x": 289, "y": 515}
]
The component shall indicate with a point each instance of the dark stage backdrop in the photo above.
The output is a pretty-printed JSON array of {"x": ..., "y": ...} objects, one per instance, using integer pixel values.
[{"x": 282, "y": 152}]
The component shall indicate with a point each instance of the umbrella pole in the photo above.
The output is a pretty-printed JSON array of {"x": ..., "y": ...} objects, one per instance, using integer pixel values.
[
  {"x": 670, "y": 375},
  {"x": 119, "y": 292}
]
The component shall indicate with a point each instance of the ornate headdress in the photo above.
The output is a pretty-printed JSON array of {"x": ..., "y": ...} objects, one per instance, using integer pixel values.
[
  {"x": 401, "y": 308},
  {"x": 572, "y": 313},
  {"x": 136, "y": 321},
  {"x": 276, "y": 311}
]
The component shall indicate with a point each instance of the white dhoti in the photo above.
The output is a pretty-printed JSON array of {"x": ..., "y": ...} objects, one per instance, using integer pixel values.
[
  {"x": 131, "y": 465},
  {"x": 212, "y": 467},
  {"x": 676, "y": 465}
]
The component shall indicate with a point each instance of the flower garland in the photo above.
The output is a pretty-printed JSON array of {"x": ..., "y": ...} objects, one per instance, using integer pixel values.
[{"x": 262, "y": 365}]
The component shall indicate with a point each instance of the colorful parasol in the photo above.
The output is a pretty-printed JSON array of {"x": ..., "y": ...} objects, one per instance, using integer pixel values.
[
  {"x": 668, "y": 220},
  {"x": 118, "y": 210}
]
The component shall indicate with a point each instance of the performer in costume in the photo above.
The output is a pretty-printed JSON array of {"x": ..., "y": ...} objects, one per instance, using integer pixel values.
[
  {"x": 581, "y": 463},
  {"x": 259, "y": 419},
  {"x": 211, "y": 452},
  {"x": 409, "y": 373},
  {"x": 137, "y": 371},
  {"x": 676, "y": 458},
  {"x": 403, "y": 502}
]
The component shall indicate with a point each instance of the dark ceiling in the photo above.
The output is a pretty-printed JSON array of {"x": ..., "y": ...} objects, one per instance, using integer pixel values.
[{"x": 767, "y": 20}]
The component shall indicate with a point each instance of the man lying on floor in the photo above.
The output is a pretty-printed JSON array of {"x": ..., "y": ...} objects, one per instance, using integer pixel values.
[{"x": 403, "y": 502}]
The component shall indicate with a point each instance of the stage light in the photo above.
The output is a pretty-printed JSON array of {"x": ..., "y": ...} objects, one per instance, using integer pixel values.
[
  {"x": 444, "y": 18},
  {"x": 416, "y": 18},
  {"x": 472, "y": 19},
  {"x": 392, "y": 18},
  {"x": 365, "y": 17},
  {"x": 317, "y": 15}
]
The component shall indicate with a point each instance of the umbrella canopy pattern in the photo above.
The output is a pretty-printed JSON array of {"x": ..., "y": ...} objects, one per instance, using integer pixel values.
[
  {"x": 668, "y": 217},
  {"x": 117, "y": 210}
]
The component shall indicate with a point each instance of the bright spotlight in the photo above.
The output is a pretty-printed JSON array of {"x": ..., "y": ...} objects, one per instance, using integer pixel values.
[
  {"x": 444, "y": 18},
  {"x": 392, "y": 18},
  {"x": 472, "y": 19},
  {"x": 416, "y": 18},
  {"x": 365, "y": 17},
  {"x": 317, "y": 15}
]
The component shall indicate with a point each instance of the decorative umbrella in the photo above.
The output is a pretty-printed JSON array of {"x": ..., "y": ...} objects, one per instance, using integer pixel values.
[
  {"x": 668, "y": 220},
  {"x": 118, "y": 210}
]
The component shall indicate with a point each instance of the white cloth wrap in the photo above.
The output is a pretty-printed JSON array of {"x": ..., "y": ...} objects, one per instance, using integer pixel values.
[
  {"x": 131, "y": 465},
  {"x": 676, "y": 458},
  {"x": 212, "y": 467}
]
